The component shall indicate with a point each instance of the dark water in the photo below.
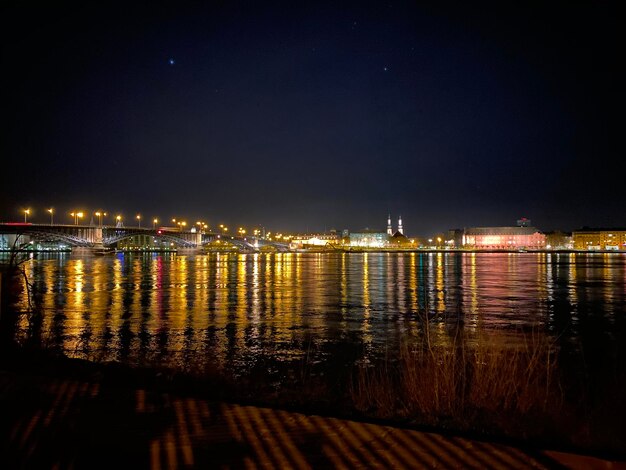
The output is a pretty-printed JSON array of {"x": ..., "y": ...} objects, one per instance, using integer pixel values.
[{"x": 233, "y": 310}]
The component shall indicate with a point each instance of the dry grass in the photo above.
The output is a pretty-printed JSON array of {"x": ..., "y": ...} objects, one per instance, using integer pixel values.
[{"x": 463, "y": 383}]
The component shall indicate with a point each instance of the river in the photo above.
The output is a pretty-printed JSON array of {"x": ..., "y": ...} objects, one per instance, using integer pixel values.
[{"x": 236, "y": 311}]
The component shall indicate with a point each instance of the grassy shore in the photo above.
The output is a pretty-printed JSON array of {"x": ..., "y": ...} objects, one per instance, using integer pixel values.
[
  {"x": 478, "y": 384},
  {"x": 480, "y": 387}
]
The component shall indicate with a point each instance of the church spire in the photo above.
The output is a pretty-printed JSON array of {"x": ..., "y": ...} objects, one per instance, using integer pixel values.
[
  {"x": 400, "y": 229},
  {"x": 389, "y": 229}
]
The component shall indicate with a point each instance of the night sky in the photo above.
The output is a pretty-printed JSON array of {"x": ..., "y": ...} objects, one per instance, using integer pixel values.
[{"x": 301, "y": 116}]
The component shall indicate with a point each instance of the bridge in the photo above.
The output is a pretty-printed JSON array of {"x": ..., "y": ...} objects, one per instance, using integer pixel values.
[{"x": 90, "y": 236}]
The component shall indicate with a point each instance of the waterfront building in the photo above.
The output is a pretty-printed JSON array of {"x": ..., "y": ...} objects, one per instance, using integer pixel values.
[
  {"x": 307, "y": 240},
  {"x": 591, "y": 239},
  {"x": 369, "y": 239},
  {"x": 504, "y": 238},
  {"x": 399, "y": 240},
  {"x": 390, "y": 231}
]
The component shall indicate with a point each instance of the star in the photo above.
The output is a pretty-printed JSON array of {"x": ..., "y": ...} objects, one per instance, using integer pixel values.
[
  {"x": 171, "y": 61},
  {"x": 385, "y": 69}
]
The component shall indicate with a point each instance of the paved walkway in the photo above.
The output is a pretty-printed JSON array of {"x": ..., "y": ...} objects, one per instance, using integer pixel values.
[{"x": 47, "y": 423}]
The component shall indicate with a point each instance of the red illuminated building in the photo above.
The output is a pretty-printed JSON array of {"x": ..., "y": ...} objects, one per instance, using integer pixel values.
[{"x": 504, "y": 238}]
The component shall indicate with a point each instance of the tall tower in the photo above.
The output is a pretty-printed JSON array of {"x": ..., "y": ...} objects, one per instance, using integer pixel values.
[
  {"x": 389, "y": 229},
  {"x": 400, "y": 229}
]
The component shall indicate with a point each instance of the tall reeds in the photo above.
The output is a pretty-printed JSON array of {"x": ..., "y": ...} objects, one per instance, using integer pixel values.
[{"x": 462, "y": 381}]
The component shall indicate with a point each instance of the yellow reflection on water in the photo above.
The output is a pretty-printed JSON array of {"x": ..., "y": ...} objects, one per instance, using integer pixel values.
[
  {"x": 573, "y": 280},
  {"x": 607, "y": 273},
  {"x": 343, "y": 288},
  {"x": 400, "y": 283},
  {"x": 367, "y": 336},
  {"x": 473, "y": 315},
  {"x": 439, "y": 287},
  {"x": 298, "y": 282},
  {"x": 241, "y": 310},
  {"x": 413, "y": 283}
]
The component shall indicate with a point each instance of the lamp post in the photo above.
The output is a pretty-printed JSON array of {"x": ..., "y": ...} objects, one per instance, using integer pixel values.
[
  {"x": 139, "y": 220},
  {"x": 154, "y": 222},
  {"x": 100, "y": 215},
  {"x": 76, "y": 215},
  {"x": 51, "y": 211},
  {"x": 26, "y": 214},
  {"x": 118, "y": 220}
]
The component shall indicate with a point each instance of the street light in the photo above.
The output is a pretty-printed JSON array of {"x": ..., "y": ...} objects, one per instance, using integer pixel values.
[
  {"x": 26, "y": 214},
  {"x": 118, "y": 219},
  {"x": 100, "y": 215},
  {"x": 76, "y": 215},
  {"x": 154, "y": 222},
  {"x": 51, "y": 211},
  {"x": 139, "y": 220}
]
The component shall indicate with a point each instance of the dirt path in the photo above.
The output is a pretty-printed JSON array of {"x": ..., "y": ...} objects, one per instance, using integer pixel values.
[{"x": 47, "y": 423}]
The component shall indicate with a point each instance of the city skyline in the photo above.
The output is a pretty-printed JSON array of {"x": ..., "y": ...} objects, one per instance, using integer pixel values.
[
  {"x": 100, "y": 217},
  {"x": 455, "y": 115}
]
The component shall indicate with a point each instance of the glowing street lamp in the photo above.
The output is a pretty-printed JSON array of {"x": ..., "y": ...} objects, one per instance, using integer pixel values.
[
  {"x": 139, "y": 220},
  {"x": 76, "y": 215},
  {"x": 118, "y": 220},
  {"x": 100, "y": 215},
  {"x": 26, "y": 214},
  {"x": 154, "y": 222},
  {"x": 51, "y": 211}
]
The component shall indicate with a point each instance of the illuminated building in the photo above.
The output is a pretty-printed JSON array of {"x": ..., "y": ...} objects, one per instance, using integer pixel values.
[
  {"x": 390, "y": 231},
  {"x": 590, "y": 239},
  {"x": 504, "y": 238},
  {"x": 314, "y": 240},
  {"x": 399, "y": 240},
  {"x": 369, "y": 238}
]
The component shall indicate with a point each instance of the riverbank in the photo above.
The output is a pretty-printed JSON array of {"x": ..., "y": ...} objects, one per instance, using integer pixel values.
[
  {"x": 26, "y": 375},
  {"x": 69, "y": 413}
]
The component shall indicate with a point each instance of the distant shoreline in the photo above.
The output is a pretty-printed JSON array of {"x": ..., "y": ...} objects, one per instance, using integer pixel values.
[{"x": 340, "y": 250}]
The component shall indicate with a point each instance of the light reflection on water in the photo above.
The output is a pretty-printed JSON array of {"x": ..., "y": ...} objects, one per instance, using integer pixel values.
[{"x": 232, "y": 310}]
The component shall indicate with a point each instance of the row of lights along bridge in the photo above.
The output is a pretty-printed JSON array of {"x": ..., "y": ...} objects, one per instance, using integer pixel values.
[{"x": 180, "y": 224}]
